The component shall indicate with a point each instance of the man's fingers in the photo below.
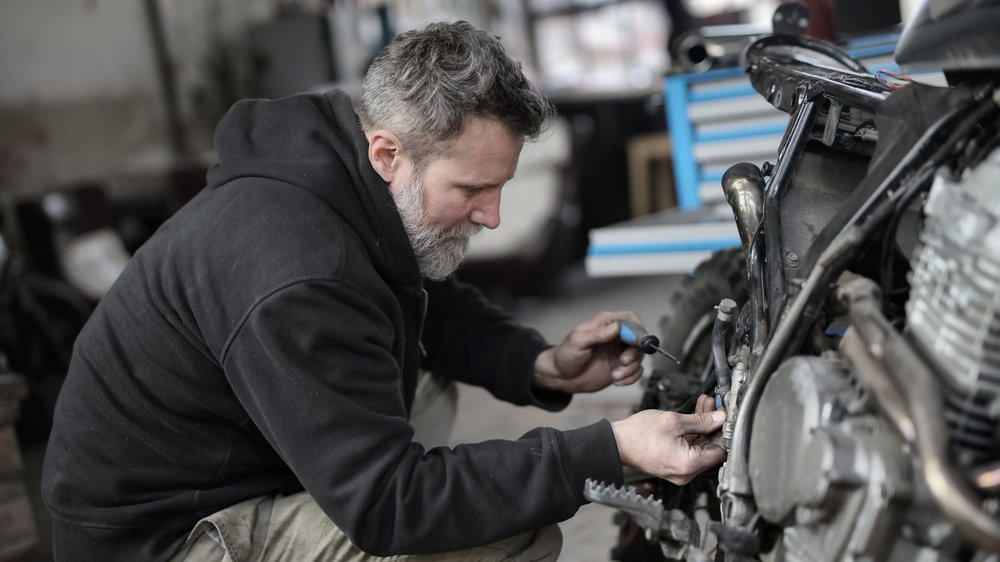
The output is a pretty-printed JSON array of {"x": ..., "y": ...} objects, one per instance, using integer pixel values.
[
  {"x": 702, "y": 440},
  {"x": 704, "y": 423},
  {"x": 706, "y": 456},
  {"x": 654, "y": 442},
  {"x": 705, "y": 403},
  {"x": 717, "y": 438},
  {"x": 629, "y": 356},
  {"x": 624, "y": 376},
  {"x": 604, "y": 327},
  {"x": 699, "y": 458}
]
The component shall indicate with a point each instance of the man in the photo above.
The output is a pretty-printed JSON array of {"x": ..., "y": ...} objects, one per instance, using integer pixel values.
[{"x": 244, "y": 389}]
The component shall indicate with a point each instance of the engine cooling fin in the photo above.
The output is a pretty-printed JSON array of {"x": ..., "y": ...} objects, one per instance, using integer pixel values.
[{"x": 954, "y": 307}]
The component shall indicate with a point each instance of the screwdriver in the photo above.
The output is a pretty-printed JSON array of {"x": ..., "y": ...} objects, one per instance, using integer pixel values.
[{"x": 633, "y": 333}]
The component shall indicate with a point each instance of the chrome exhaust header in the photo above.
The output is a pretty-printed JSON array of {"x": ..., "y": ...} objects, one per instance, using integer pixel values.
[{"x": 743, "y": 185}]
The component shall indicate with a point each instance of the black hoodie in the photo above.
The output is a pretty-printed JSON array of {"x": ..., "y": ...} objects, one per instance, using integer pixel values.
[{"x": 267, "y": 339}]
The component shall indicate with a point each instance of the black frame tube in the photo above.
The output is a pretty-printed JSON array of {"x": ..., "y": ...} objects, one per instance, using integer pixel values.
[{"x": 792, "y": 145}]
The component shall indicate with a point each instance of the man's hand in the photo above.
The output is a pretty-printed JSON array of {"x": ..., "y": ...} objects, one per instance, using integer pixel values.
[
  {"x": 590, "y": 358},
  {"x": 672, "y": 446}
]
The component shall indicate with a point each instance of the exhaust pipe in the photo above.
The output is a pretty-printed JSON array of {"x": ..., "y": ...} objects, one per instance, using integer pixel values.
[
  {"x": 715, "y": 46},
  {"x": 743, "y": 185}
]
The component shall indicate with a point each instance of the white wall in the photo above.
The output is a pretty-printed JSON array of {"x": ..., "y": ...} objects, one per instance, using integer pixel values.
[
  {"x": 80, "y": 97},
  {"x": 53, "y": 51}
]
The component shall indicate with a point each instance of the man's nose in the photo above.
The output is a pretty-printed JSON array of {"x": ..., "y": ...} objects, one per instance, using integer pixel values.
[{"x": 487, "y": 209}]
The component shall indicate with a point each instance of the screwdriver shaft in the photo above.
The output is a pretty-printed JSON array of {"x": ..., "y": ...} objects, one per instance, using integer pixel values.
[{"x": 668, "y": 356}]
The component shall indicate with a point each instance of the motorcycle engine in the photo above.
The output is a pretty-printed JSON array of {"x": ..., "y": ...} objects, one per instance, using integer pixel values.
[
  {"x": 827, "y": 467},
  {"x": 953, "y": 308}
]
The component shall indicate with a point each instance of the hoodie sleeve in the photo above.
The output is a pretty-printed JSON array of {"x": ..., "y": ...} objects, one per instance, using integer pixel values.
[
  {"x": 469, "y": 339},
  {"x": 325, "y": 394}
]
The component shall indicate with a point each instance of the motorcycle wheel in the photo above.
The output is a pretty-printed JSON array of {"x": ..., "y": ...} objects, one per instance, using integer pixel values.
[{"x": 686, "y": 327}]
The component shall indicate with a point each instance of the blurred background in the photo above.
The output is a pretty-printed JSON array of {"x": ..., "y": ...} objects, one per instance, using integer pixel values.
[{"x": 107, "y": 109}]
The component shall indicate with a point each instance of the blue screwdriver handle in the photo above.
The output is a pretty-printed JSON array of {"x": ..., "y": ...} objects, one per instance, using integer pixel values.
[{"x": 633, "y": 333}]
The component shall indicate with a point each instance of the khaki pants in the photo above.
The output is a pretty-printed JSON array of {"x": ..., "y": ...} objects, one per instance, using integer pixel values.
[{"x": 295, "y": 529}]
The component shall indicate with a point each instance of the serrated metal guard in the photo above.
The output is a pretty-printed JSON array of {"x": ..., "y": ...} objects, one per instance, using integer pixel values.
[{"x": 672, "y": 527}]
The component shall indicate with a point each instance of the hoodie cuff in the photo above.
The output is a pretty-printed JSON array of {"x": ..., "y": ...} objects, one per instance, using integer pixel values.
[
  {"x": 590, "y": 452},
  {"x": 549, "y": 400}
]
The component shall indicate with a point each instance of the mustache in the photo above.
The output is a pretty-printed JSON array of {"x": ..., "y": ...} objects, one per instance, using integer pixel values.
[{"x": 464, "y": 231}]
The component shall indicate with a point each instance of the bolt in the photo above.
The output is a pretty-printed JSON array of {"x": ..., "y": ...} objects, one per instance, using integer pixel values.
[
  {"x": 791, "y": 259},
  {"x": 767, "y": 169},
  {"x": 727, "y": 306}
]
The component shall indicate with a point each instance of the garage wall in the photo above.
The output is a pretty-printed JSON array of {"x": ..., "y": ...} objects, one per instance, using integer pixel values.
[
  {"x": 56, "y": 51},
  {"x": 80, "y": 97}
]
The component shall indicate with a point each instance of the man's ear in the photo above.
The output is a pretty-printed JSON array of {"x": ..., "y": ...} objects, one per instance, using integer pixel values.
[{"x": 386, "y": 153}]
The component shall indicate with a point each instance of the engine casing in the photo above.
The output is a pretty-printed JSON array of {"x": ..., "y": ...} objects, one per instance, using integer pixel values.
[
  {"x": 954, "y": 307},
  {"x": 827, "y": 468}
]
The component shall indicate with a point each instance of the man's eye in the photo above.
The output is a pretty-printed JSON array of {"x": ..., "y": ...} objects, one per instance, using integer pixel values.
[{"x": 471, "y": 190}]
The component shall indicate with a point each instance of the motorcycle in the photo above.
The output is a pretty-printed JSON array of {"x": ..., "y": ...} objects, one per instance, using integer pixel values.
[{"x": 854, "y": 336}]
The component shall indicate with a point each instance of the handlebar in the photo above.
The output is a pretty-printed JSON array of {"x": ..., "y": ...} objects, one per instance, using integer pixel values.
[{"x": 782, "y": 76}]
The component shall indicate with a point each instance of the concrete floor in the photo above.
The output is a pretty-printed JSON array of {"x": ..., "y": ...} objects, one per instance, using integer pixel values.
[{"x": 589, "y": 535}]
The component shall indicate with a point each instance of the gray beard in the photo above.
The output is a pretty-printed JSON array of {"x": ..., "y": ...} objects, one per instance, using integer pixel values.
[{"x": 439, "y": 251}]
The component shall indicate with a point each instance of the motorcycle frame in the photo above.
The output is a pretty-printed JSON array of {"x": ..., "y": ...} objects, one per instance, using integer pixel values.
[{"x": 817, "y": 95}]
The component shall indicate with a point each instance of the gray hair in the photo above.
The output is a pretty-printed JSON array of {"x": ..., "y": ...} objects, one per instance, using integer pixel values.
[{"x": 427, "y": 82}]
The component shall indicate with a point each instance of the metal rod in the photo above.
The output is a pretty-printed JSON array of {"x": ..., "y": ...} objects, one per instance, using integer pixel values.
[
  {"x": 826, "y": 267},
  {"x": 792, "y": 145},
  {"x": 757, "y": 298}
]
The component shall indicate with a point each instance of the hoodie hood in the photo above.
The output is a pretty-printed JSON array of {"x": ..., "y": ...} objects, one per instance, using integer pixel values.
[{"x": 314, "y": 141}]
